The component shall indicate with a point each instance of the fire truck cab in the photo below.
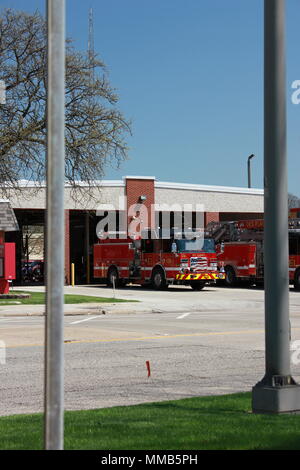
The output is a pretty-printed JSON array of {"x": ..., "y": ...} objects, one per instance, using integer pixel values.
[
  {"x": 294, "y": 256},
  {"x": 156, "y": 261}
]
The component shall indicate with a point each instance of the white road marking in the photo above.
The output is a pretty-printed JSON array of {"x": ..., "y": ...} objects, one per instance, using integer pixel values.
[
  {"x": 86, "y": 319},
  {"x": 183, "y": 315}
]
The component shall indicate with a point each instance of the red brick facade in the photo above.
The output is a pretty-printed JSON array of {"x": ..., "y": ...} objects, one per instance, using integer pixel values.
[
  {"x": 211, "y": 217},
  {"x": 140, "y": 209}
]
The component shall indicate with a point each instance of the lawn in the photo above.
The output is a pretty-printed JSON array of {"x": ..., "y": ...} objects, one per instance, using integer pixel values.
[
  {"x": 223, "y": 422},
  {"x": 38, "y": 298}
]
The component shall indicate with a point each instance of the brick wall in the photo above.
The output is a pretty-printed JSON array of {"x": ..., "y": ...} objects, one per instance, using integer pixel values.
[
  {"x": 8, "y": 221},
  {"x": 211, "y": 217},
  {"x": 143, "y": 210}
]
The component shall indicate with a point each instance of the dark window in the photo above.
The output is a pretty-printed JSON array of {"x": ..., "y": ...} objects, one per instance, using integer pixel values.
[
  {"x": 147, "y": 246},
  {"x": 294, "y": 245}
]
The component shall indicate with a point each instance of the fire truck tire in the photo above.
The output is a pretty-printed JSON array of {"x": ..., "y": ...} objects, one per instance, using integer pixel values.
[
  {"x": 197, "y": 285},
  {"x": 230, "y": 277},
  {"x": 113, "y": 273},
  {"x": 158, "y": 279},
  {"x": 297, "y": 280}
]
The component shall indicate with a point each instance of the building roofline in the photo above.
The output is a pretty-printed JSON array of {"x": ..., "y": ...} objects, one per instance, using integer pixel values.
[
  {"x": 139, "y": 177},
  {"x": 157, "y": 184},
  {"x": 82, "y": 184},
  {"x": 209, "y": 188}
]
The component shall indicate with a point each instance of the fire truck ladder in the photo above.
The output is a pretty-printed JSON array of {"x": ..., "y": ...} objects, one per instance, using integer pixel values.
[
  {"x": 233, "y": 232},
  {"x": 221, "y": 231},
  {"x": 294, "y": 224}
]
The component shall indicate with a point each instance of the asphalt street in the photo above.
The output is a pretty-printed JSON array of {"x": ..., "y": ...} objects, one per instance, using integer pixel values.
[{"x": 197, "y": 343}]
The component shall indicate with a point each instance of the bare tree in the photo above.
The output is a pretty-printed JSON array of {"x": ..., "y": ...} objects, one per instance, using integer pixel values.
[
  {"x": 95, "y": 129},
  {"x": 293, "y": 201}
]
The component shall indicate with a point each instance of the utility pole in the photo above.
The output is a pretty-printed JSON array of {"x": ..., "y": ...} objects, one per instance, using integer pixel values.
[
  {"x": 91, "y": 44},
  {"x": 91, "y": 56},
  {"x": 277, "y": 392},
  {"x": 249, "y": 169},
  {"x": 54, "y": 340}
]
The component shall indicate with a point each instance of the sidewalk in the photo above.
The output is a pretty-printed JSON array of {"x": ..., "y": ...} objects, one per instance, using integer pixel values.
[
  {"x": 79, "y": 309},
  {"x": 173, "y": 300}
]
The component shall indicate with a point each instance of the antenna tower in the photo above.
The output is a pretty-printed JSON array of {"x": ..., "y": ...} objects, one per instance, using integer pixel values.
[{"x": 91, "y": 47}]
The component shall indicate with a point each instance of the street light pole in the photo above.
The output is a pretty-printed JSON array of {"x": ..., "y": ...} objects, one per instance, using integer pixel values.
[
  {"x": 249, "y": 169},
  {"x": 277, "y": 392},
  {"x": 54, "y": 340}
]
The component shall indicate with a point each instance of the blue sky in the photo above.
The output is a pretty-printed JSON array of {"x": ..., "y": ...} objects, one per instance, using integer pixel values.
[{"x": 189, "y": 75}]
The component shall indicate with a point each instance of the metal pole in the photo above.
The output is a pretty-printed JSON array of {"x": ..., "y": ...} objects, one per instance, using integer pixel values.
[
  {"x": 54, "y": 363},
  {"x": 249, "y": 170},
  {"x": 73, "y": 275},
  {"x": 276, "y": 194},
  {"x": 277, "y": 392}
]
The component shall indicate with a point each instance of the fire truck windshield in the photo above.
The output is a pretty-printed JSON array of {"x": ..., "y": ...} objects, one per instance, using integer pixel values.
[
  {"x": 206, "y": 245},
  {"x": 294, "y": 242}
]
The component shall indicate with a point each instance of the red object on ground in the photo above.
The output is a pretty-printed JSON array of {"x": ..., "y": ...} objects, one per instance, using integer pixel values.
[
  {"x": 148, "y": 368},
  {"x": 4, "y": 286}
]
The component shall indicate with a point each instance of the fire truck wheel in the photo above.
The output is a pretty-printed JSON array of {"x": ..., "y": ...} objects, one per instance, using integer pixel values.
[
  {"x": 297, "y": 280},
  {"x": 230, "y": 277},
  {"x": 113, "y": 277},
  {"x": 197, "y": 285},
  {"x": 158, "y": 279}
]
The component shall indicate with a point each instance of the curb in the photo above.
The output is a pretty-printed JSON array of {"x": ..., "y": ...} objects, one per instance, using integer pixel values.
[{"x": 102, "y": 310}]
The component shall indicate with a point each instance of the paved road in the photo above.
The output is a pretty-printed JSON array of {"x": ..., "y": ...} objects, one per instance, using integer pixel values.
[{"x": 198, "y": 343}]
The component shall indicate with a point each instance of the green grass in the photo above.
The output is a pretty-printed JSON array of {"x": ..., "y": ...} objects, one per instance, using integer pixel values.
[
  {"x": 38, "y": 298},
  {"x": 223, "y": 422}
]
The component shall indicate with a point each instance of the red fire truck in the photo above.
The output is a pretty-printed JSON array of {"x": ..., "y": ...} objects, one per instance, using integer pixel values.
[
  {"x": 239, "y": 248},
  {"x": 156, "y": 261},
  {"x": 294, "y": 213}
]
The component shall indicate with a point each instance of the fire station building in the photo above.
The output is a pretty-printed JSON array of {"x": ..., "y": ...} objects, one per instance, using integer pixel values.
[{"x": 84, "y": 208}]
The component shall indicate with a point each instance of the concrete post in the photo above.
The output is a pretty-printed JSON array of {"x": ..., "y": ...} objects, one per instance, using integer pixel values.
[
  {"x": 54, "y": 360},
  {"x": 277, "y": 392}
]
